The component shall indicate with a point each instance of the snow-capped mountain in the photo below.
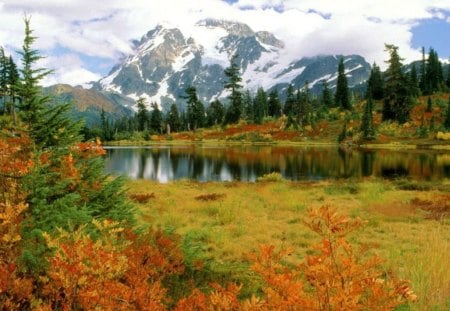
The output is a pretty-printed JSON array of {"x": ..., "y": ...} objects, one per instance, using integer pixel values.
[{"x": 167, "y": 60}]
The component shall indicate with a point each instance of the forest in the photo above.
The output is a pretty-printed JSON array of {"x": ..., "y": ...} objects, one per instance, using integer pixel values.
[{"x": 73, "y": 237}]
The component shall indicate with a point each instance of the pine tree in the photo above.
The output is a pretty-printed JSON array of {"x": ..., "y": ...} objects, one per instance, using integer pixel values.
[
  {"x": 304, "y": 107},
  {"x": 173, "y": 118},
  {"x": 259, "y": 105},
  {"x": 434, "y": 75},
  {"x": 3, "y": 79},
  {"x": 142, "y": 114},
  {"x": 367, "y": 129},
  {"x": 414, "y": 81},
  {"x": 247, "y": 102},
  {"x": 235, "y": 108},
  {"x": 195, "y": 109},
  {"x": 215, "y": 113},
  {"x": 48, "y": 125},
  {"x": 342, "y": 98},
  {"x": 13, "y": 82},
  {"x": 327, "y": 98},
  {"x": 397, "y": 100},
  {"x": 429, "y": 104},
  {"x": 274, "y": 104},
  {"x": 447, "y": 116},
  {"x": 375, "y": 84},
  {"x": 423, "y": 74},
  {"x": 289, "y": 105},
  {"x": 156, "y": 119}
]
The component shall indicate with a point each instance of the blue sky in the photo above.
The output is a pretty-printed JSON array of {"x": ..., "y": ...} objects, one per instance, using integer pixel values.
[{"x": 83, "y": 39}]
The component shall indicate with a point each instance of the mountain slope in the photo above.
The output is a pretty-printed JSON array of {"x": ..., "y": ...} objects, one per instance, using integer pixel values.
[{"x": 88, "y": 103}]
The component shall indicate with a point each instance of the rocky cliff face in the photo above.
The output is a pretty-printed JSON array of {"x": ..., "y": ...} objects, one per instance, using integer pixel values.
[{"x": 167, "y": 60}]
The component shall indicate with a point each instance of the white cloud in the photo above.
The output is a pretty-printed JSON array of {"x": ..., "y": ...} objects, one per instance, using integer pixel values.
[
  {"x": 308, "y": 27},
  {"x": 67, "y": 69}
]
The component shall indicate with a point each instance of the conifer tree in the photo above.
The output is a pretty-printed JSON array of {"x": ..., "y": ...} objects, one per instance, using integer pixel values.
[
  {"x": 3, "y": 79},
  {"x": 173, "y": 118},
  {"x": 423, "y": 74},
  {"x": 429, "y": 104},
  {"x": 142, "y": 115},
  {"x": 289, "y": 105},
  {"x": 367, "y": 129},
  {"x": 247, "y": 102},
  {"x": 434, "y": 75},
  {"x": 414, "y": 81},
  {"x": 342, "y": 98},
  {"x": 260, "y": 105},
  {"x": 156, "y": 119},
  {"x": 397, "y": 100},
  {"x": 375, "y": 84},
  {"x": 195, "y": 109},
  {"x": 215, "y": 113},
  {"x": 235, "y": 108},
  {"x": 274, "y": 104},
  {"x": 327, "y": 98},
  {"x": 447, "y": 116}
]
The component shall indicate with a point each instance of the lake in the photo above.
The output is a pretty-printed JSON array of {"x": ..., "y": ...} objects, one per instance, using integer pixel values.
[{"x": 246, "y": 163}]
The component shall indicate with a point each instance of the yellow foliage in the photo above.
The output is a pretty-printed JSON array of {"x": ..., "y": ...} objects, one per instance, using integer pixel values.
[{"x": 443, "y": 136}]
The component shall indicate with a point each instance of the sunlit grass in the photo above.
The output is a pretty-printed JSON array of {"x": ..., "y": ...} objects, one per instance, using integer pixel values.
[{"x": 234, "y": 218}]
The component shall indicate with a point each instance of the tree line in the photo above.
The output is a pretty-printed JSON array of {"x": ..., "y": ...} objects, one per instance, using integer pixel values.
[{"x": 397, "y": 89}]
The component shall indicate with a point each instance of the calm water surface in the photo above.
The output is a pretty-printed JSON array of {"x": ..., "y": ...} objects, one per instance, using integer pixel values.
[{"x": 246, "y": 163}]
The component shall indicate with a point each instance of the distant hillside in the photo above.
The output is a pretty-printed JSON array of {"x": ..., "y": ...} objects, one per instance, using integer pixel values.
[{"x": 88, "y": 103}]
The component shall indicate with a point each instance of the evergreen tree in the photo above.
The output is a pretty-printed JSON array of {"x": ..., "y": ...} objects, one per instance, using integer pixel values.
[
  {"x": 48, "y": 125},
  {"x": 3, "y": 79},
  {"x": 156, "y": 119},
  {"x": 247, "y": 101},
  {"x": 423, "y": 74},
  {"x": 429, "y": 104},
  {"x": 289, "y": 105},
  {"x": 434, "y": 75},
  {"x": 304, "y": 107},
  {"x": 235, "y": 108},
  {"x": 367, "y": 129},
  {"x": 447, "y": 81},
  {"x": 215, "y": 113},
  {"x": 342, "y": 98},
  {"x": 274, "y": 104},
  {"x": 259, "y": 105},
  {"x": 106, "y": 127},
  {"x": 173, "y": 118},
  {"x": 13, "y": 82},
  {"x": 397, "y": 100},
  {"x": 195, "y": 109},
  {"x": 327, "y": 98},
  {"x": 375, "y": 84},
  {"x": 142, "y": 114},
  {"x": 414, "y": 81},
  {"x": 447, "y": 116}
]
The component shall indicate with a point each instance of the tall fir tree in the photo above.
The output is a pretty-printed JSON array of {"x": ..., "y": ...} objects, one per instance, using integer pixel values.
[
  {"x": 156, "y": 119},
  {"x": 247, "y": 102},
  {"x": 173, "y": 118},
  {"x": 423, "y": 74},
  {"x": 434, "y": 75},
  {"x": 142, "y": 115},
  {"x": 447, "y": 116},
  {"x": 367, "y": 128},
  {"x": 274, "y": 104},
  {"x": 195, "y": 109},
  {"x": 414, "y": 81},
  {"x": 215, "y": 113},
  {"x": 233, "y": 84},
  {"x": 3, "y": 80},
  {"x": 375, "y": 84},
  {"x": 341, "y": 97},
  {"x": 397, "y": 98},
  {"x": 259, "y": 105},
  {"x": 289, "y": 105},
  {"x": 326, "y": 98}
]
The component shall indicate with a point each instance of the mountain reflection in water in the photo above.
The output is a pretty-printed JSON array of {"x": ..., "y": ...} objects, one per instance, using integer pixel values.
[{"x": 246, "y": 163}]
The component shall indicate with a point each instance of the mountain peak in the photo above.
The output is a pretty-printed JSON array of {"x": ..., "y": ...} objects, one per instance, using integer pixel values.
[{"x": 232, "y": 27}]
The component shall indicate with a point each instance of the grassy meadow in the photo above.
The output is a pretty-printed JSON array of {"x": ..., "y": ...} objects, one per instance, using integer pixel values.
[{"x": 407, "y": 224}]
